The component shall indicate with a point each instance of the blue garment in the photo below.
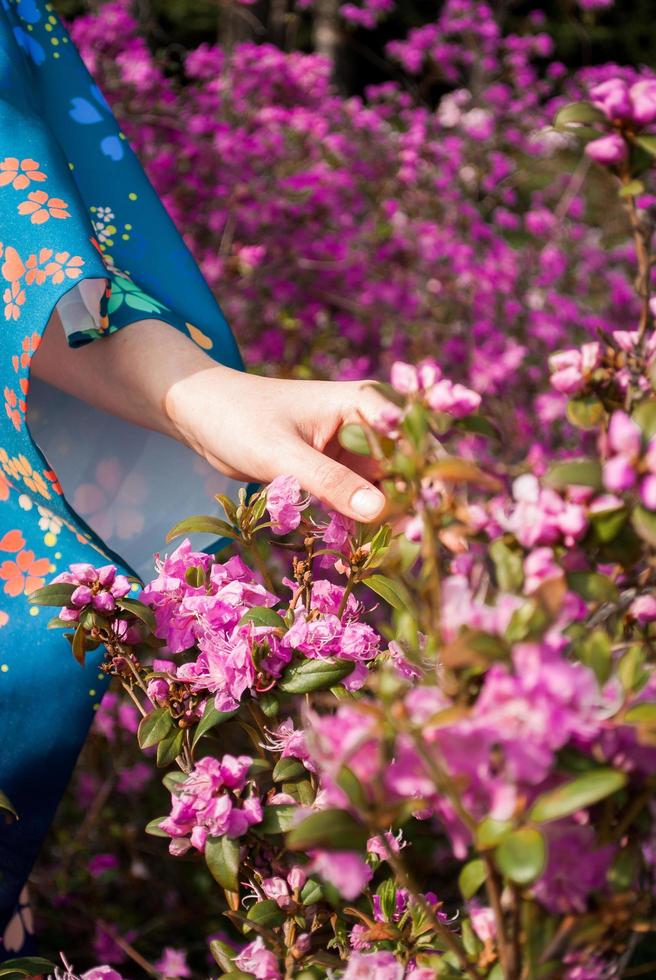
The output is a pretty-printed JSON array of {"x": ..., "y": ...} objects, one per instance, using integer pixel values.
[{"x": 82, "y": 230}]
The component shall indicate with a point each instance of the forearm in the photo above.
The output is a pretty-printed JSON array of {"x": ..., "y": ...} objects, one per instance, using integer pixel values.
[{"x": 129, "y": 373}]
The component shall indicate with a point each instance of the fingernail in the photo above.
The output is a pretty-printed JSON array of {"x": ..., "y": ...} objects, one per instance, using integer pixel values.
[{"x": 367, "y": 503}]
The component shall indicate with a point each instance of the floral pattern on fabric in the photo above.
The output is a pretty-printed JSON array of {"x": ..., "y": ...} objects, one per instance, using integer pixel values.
[{"x": 82, "y": 233}]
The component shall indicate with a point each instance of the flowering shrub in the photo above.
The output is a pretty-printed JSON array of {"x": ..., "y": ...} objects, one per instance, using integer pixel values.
[
  {"x": 344, "y": 234},
  {"x": 468, "y": 686}
]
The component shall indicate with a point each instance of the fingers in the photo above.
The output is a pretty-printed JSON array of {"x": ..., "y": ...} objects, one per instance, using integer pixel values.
[
  {"x": 364, "y": 402},
  {"x": 334, "y": 484}
]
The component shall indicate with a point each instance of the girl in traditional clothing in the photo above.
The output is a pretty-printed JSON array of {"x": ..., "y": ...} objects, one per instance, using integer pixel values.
[{"x": 125, "y": 404}]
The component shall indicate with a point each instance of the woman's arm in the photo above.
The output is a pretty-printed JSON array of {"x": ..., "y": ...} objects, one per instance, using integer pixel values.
[{"x": 247, "y": 427}]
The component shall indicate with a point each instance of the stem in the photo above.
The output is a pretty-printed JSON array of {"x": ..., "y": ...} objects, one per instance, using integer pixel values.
[
  {"x": 441, "y": 780},
  {"x": 429, "y": 549},
  {"x": 445, "y": 934}
]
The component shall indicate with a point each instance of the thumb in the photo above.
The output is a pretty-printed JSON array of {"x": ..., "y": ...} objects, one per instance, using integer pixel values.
[{"x": 335, "y": 484}]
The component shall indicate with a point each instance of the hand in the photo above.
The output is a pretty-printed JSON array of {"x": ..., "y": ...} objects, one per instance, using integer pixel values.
[
  {"x": 254, "y": 428},
  {"x": 248, "y": 427}
]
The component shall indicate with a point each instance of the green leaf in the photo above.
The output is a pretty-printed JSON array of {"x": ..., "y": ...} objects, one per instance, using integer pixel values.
[
  {"x": 508, "y": 564},
  {"x": 607, "y": 524},
  {"x": 644, "y": 415},
  {"x": 479, "y": 425},
  {"x": 153, "y": 828},
  {"x": 380, "y": 545},
  {"x": 387, "y": 892},
  {"x": 641, "y": 714},
  {"x": 202, "y": 524},
  {"x": 288, "y": 770},
  {"x": 644, "y": 521},
  {"x": 471, "y": 877},
  {"x": 269, "y": 704},
  {"x": 634, "y": 188},
  {"x": 210, "y": 719},
  {"x": 351, "y": 785},
  {"x": 577, "y": 794},
  {"x": 415, "y": 424},
  {"x": 278, "y": 818},
  {"x": 222, "y": 857},
  {"x": 521, "y": 855},
  {"x": 576, "y": 113},
  {"x": 490, "y": 832},
  {"x": 387, "y": 589},
  {"x": 170, "y": 747},
  {"x": 647, "y": 141},
  {"x": 314, "y": 675},
  {"x": 631, "y": 669},
  {"x": 330, "y": 830},
  {"x": 623, "y": 870},
  {"x": 586, "y": 411},
  {"x": 596, "y": 652},
  {"x": 78, "y": 644},
  {"x": 592, "y": 586},
  {"x": 26, "y": 966},
  {"x": 195, "y": 576},
  {"x": 57, "y": 594},
  {"x": 140, "y": 610},
  {"x": 262, "y": 616},
  {"x": 153, "y": 727},
  {"x": 223, "y": 954},
  {"x": 354, "y": 439},
  {"x": 575, "y": 472},
  {"x": 266, "y": 914},
  {"x": 311, "y": 892}
]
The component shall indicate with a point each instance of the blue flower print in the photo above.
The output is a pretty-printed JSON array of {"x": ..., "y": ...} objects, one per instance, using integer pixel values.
[
  {"x": 30, "y": 46},
  {"x": 28, "y": 11},
  {"x": 85, "y": 112}
]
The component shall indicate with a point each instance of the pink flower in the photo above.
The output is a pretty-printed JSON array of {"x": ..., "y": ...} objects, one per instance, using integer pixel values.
[
  {"x": 644, "y": 609},
  {"x": 648, "y": 492},
  {"x": 454, "y": 399},
  {"x": 257, "y": 960},
  {"x": 403, "y": 378},
  {"x": 643, "y": 99},
  {"x": 345, "y": 870},
  {"x": 101, "y": 973},
  {"x": 100, "y": 863},
  {"x": 98, "y": 588},
  {"x": 284, "y": 503},
  {"x": 540, "y": 566},
  {"x": 373, "y": 966},
  {"x": 570, "y": 369},
  {"x": 609, "y": 149},
  {"x": 624, "y": 435},
  {"x": 613, "y": 98},
  {"x": 173, "y": 963},
  {"x": 483, "y": 921}
]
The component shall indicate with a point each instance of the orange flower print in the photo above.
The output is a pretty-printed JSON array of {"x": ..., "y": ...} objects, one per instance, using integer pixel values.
[
  {"x": 41, "y": 207},
  {"x": 12, "y": 541},
  {"x": 25, "y": 574},
  {"x": 4, "y": 618},
  {"x": 11, "y": 408},
  {"x": 14, "y": 297},
  {"x": 4, "y": 487},
  {"x": 15, "y": 406},
  {"x": 20, "y": 468},
  {"x": 29, "y": 345},
  {"x": 65, "y": 264},
  {"x": 35, "y": 274},
  {"x": 19, "y": 173},
  {"x": 12, "y": 268}
]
